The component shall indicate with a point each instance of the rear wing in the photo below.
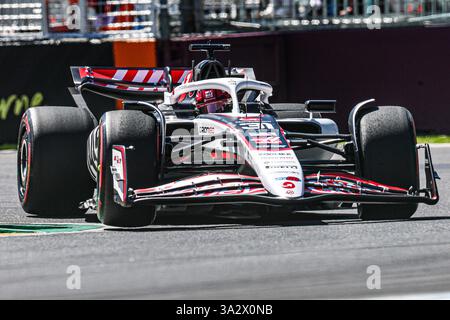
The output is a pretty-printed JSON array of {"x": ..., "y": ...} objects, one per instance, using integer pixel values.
[
  {"x": 137, "y": 83},
  {"x": 120, "y": 83}
]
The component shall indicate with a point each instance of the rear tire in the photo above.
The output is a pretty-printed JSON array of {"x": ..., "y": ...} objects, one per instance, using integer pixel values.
[
  {"x": 127, "y": 128},
  {"x": 388, "y": 154},
  {"x": 52, "y": 176}
]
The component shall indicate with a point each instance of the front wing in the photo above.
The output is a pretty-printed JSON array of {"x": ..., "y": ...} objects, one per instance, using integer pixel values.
[{"x": 236, "y": 189}]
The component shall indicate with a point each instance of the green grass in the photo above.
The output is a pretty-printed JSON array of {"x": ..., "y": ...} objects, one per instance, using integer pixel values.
[
  {"x": 7, "y": 147},
  {"x": 433, "y": 139}
]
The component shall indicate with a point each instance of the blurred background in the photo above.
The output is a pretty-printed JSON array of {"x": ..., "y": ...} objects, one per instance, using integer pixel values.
[{"x": 396, "y": 51}]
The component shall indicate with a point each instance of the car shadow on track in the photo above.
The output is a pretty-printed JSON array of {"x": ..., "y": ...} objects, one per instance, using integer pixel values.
[
  {"x": 58, "y": 216},
  {"x": 413, "y": 219},
  {"x": 194, "y": 222},
  {"x": 191, "y": 222}
]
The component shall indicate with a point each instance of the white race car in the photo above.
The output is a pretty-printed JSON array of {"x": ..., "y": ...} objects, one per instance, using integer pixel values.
[{"x": 208, "y": 136}]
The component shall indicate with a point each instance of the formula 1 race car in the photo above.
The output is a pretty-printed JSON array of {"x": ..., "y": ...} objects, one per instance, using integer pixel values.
[{"x": 208, "y": 136}]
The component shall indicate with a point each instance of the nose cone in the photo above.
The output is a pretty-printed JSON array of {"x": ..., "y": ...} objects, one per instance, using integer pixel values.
[{"x": 280, "y": 172}]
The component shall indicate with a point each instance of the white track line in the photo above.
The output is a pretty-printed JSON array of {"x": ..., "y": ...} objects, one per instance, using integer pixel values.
[
  {"x": 416, "y": 296},
  {"x": 440, "y": 145}
]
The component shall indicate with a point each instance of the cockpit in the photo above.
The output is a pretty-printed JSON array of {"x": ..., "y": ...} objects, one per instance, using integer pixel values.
[{"x": 210, "y": 88}]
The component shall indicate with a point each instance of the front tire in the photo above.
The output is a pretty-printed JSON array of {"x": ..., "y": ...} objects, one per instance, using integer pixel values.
[
  {"x": 127, "y": 128},
  {"x": 388, "y": 154}
]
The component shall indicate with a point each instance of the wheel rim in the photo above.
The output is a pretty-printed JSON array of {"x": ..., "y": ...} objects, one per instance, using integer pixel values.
[{"x": 23, "y": 165}]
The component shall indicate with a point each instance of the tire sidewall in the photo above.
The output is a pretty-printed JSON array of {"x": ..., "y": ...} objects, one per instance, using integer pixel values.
[{"x": 109, "y": 212}]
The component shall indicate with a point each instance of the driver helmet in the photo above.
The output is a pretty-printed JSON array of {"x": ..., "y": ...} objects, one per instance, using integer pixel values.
[{"x": 212, "y": 101}]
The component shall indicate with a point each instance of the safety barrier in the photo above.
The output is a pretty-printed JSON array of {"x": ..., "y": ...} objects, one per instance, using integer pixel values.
[
  {"x": 20, "y": 18},
  {"x": 43, "y": 19},
  {"x": 103, "y": 18},
  {"x": 295, "y": 14}
]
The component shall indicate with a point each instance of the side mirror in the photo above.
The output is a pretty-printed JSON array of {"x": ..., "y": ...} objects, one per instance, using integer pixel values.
[{"x": 322, "y": 106}]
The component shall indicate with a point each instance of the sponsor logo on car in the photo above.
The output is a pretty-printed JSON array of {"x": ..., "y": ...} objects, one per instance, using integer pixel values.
[
  {"x": 209, "y": 94},
  {"x": 288, "y": 178},
  {"x": 288, "y": 185},
  {"x": 118, "y": 159},
  {"x": 267, "y": 140},
  {"x": 282, "y": 167},
  {"x": 206, "y": 130}
]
